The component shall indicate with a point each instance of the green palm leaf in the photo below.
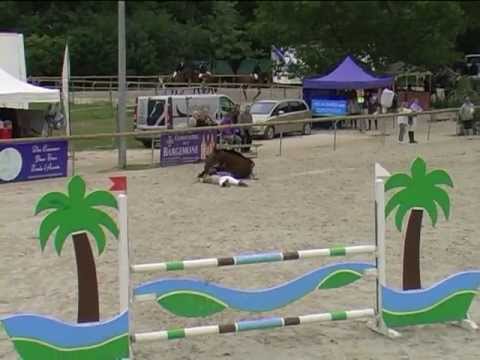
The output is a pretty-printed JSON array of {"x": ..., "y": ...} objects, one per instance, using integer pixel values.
[
  {"x": 400, "y": 215},
  {"x": 62, "y": 233},
  {"x": 418, "y": 168},
  {"x": 48, "y": 225},
  {"x": 419, "y": 191},
  {"x": 99, "y": 236},
  {"x": 53, "y": 200},
  {"x": 431, "y": 209},
  {"x": 76, "y": 213},
  {"x": 441, "y": 197},
  {"x": 101, "y": 198},
  {"x": 105, "y": 220},
  {"x": 440, "y": 177},
  {"x": 393, "y": 203},
  {"x": 76, "y": 189},
  {"x": 397, "y": 180}
]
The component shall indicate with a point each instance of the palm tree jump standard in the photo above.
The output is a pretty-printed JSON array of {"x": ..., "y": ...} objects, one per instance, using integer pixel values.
[
  {"x": 419, "y": 192},
  {"x": 75, "y": 215}
]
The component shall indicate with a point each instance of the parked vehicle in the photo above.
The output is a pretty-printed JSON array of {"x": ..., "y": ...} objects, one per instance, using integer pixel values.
[
  {"x": 267, "y": 111},
  {"x": 152, "y": 112}
]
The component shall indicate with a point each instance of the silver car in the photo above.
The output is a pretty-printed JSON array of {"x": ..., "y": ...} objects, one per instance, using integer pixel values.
[{"x": 266, "y": 111}]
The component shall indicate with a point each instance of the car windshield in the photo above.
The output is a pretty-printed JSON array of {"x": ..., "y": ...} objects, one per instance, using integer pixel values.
[{"x": 262, "y": 108}]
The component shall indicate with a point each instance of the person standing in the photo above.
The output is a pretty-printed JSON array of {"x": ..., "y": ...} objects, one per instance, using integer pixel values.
[
  {"x": 412, "y": 120},
  {"x": 466, "y": 115},
  {"x": 245, "y": 118},
  {"x": 402, "y": 121}
]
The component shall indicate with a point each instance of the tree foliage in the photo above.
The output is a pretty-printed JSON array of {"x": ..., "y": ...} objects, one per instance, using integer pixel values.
[{"x": 160, "y": 34}]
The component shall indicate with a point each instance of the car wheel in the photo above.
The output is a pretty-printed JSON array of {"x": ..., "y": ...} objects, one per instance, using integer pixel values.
[
  {"x": 307, "y": 129},
  {"x": 269, "y": 133}
]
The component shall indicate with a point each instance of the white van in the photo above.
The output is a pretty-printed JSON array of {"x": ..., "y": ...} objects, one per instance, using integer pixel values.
[{"x": 151, "y": 112}]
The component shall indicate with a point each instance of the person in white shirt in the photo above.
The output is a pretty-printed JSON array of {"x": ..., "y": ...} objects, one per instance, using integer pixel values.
[
  {"x": 412, "y": 120},
  {"x": 402, "y": 121}
]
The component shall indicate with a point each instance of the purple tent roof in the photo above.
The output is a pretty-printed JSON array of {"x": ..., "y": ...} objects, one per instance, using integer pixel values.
[{"x": 348, "y": 75}]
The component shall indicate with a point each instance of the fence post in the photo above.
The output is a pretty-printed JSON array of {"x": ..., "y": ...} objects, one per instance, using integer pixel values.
[
  {"x": 72, "y": 153},
  {"x": 334, "y": 134},
  {"x": 153, "y": 151},
  {"x": 280, "y": 145},
  {"x": 429, "y": 121}
]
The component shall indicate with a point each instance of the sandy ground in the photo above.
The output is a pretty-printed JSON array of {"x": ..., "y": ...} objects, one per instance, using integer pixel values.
[{"x": 310, "y": 197}]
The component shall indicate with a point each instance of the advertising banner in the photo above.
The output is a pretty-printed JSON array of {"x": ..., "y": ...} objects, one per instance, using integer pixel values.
[
  {"x": 33, "y": 160},
  {"x": 187, "y": 148}
]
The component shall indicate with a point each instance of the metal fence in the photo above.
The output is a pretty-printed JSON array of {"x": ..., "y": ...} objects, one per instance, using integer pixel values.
[{"x": 432, "y": 116}]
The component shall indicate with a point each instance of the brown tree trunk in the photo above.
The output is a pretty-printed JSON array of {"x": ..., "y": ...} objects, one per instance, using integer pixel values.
[
  {"x": 411, "y": 253},
  {"x": 88, "y": 308}
]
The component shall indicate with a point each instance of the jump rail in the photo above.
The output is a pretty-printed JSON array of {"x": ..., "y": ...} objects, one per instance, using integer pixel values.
[{"x": 252, "y": 258}]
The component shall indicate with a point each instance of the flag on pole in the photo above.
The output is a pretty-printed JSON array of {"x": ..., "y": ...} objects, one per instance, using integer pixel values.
[
  {"x": 65, "y": 93},
  {"x": 119, "y": 183},
  {"x": 381, "y": 172}
]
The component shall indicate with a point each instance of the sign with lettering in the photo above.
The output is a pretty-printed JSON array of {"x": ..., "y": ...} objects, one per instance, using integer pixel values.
[
  {"x": 329, "y": 106},
  {"x": 33, "y": 160},
  {"x": 177, "y": 149}
]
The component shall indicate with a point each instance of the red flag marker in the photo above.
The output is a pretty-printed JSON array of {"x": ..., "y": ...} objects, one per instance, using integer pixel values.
[{"x": 119, "y": 183}]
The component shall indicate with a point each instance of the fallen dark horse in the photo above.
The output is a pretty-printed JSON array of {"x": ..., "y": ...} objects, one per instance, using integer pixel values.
[{"x": 229, "y": 161}]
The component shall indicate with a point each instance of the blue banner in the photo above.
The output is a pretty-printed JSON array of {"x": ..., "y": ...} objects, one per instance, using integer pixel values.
[
  {"x": 177, "y": 149},
  {"x": 329, "y": 107},
  {"x": 33, "y": 160}
]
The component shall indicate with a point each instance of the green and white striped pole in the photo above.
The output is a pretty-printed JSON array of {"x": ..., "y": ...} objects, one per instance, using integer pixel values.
[
  {"x": 257, "y": 258},
  {"x": 248, "y": 325}
]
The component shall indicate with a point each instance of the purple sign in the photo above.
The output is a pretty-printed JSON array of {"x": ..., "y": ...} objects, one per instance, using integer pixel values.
[
  {"x": 33, "y": 160},
  {"x": 177, "y": 149}
]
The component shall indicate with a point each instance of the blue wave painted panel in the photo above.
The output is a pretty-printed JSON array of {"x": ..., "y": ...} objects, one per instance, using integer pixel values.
[
  {"x": 413, "y": 300},
  {"x": 251, "y": 300},
  {"x": 62, "y": 334}
]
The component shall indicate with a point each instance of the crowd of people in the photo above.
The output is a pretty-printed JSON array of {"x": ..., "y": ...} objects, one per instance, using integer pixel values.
[
  {"x": 370, "y": 104},
  {"x": 235, "y": 136}
]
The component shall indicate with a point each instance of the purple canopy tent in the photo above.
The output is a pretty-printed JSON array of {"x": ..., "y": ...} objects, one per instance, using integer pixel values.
[{"x": 349, "y": 74}]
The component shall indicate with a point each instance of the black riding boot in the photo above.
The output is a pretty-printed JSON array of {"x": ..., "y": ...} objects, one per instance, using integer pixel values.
[{"x": 411, "y": 136}]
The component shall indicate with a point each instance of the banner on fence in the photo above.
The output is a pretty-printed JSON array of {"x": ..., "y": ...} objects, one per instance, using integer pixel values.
[
  {"x": 177, "y": 149},
  {"x": 33, "y": 160}
]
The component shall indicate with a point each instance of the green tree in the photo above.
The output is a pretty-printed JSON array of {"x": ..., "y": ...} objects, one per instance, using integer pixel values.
[
  {"x": 418, "y": 33},
  {"x": 75, "y": 215},
  {"x": 419, "y": 192}
]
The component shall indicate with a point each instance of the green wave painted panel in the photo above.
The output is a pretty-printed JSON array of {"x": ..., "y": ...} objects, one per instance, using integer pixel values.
[
  {"x": 116, "y": 348},
  {"x": 340, "y": 278},
  {"x": 452, "y": 308},
  {"x": 191, "y": 297},
  {"x": 190, "y": 304}
]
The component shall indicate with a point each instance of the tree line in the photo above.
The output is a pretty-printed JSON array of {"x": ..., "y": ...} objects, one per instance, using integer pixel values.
[{"x": 427, "y": 34}]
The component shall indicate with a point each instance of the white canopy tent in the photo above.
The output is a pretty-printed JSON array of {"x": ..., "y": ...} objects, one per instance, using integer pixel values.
[{"x": 14, "y": 93}]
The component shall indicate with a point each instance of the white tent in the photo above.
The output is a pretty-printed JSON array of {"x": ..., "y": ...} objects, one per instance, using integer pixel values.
[{"x": 14, "y": 92}]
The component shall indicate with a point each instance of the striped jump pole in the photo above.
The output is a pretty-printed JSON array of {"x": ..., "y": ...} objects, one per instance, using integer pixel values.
[
  {"x": 257, "y": 258},
  {"x": 247, "y": 325}
]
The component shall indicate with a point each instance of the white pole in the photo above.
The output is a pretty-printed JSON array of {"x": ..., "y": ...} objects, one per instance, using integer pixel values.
[
  {"x": 123, "y": 261},
  {"x": 379, "y": 325},
  {"x": 380, "y": 240},
  {"x": 125, "y": 289}
]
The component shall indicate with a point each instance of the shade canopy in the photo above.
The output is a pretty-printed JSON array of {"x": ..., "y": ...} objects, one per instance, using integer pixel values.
[
  {"x": 14, "y": 91},
  {"x": 349, "y": 74}
]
